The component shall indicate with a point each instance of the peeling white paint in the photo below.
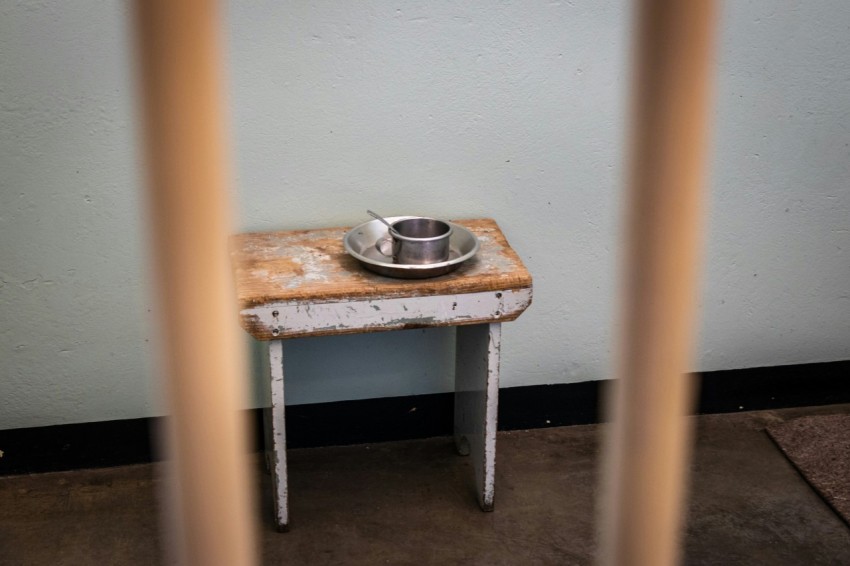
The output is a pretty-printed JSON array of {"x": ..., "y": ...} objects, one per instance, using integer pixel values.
[
  {"x": 298, "y": 318},
  {"x": 277, "y": 458},
  {"x": 494, "y": 355},
  {"x": 477, "y": 403},
  {"x": 476, "y": 412}
]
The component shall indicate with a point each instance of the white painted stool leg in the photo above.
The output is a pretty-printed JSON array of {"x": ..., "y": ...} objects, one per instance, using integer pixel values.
[
  {"x": 276, "y": 452},
  {"x": 477, "y": 402}
]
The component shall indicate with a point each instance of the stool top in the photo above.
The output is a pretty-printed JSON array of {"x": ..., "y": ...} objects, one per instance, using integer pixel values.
[{"x": 311, "y": 266}]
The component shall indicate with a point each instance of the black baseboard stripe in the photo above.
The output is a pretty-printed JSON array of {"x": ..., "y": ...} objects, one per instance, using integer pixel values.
[
  {"x": 76, "y": 446},
  {"x": 114, "y": 443}
]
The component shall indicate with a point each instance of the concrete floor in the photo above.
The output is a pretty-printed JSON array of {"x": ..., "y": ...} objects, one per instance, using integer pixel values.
[{"x": 412, "y": 503}]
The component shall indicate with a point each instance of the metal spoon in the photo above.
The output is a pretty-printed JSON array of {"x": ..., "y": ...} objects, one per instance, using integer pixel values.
[{"x": 381, "y": 218}]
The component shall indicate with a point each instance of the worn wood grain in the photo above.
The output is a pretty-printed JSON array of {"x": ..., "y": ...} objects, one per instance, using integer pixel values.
[{"x": 312, "y": 266}]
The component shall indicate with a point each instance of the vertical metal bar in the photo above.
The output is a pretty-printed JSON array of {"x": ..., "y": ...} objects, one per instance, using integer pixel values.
[
  {"x": 178, "y": 48},
  {"x": 648, "y": 450}
]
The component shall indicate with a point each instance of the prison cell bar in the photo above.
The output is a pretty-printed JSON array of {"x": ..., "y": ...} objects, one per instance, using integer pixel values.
[
  {"x": 648, "y": 446},
  {"x": 179, "y": 57}
]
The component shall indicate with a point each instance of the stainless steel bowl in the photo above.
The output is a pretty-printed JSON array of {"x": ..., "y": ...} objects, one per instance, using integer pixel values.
[{"x": 360, "y": 242}]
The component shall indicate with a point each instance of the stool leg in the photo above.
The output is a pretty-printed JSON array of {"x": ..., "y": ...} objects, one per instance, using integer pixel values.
[
  {"x": 477, "y": 402},
  {"x": 276, "y": 432}
]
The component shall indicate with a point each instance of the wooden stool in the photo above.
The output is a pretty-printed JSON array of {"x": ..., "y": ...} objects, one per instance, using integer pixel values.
[{"x": 302, "y": 283}]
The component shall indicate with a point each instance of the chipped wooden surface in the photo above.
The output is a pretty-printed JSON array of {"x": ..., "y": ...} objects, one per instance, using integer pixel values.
[
  {"x": 302, "y": 283},
  {"x": 312, "y": 266}
]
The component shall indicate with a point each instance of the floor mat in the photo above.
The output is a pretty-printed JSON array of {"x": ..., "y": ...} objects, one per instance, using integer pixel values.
[{"x": 819, "y": 447}]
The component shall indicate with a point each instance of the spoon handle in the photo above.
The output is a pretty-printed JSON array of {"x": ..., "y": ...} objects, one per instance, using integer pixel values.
[{"x": 381, "y": 218}]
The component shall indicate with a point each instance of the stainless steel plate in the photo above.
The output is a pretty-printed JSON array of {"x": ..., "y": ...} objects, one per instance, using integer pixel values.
[{"x": 360, "y": 242}]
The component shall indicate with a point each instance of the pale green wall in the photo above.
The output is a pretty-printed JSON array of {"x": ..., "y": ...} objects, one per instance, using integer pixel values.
[{"x": 512, "y": 110}]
